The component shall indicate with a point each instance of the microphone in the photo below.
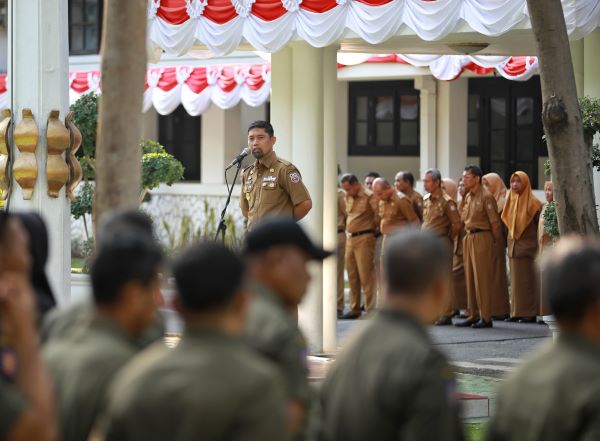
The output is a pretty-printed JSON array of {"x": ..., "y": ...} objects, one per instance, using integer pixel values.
[{"x": 239, "y": 158}]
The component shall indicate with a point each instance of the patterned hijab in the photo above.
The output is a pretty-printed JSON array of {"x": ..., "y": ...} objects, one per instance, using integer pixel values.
[
  {"x": 520, "y": 208},
  {"x": 495, "y": 185},
  {"x": 450, "y": 188}
]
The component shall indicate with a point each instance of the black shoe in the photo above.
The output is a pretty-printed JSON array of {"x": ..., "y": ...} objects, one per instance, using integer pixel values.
[
  {"x": 455, "y": 314},
  {"x": 351, "y": 315},
  {"x": 500, "y": 318},
  {"x": 527, "y": 320},
  {"x": 465, "y": 323},
  {"x": 540, "y": 321},
  {"x": 482, "y": 324},
  {"x": 362, "y": 308},
  {"x": 340, "y": 313},
  {"x": 443, "y": 321},
  {"x": 512, "y": 319}
]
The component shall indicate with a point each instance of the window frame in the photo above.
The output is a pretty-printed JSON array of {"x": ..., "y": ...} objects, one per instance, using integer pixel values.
[
  {"x": 371, "y": 90},
  {"x": 84, "y": 24},
  {"x": 171, "y": 145}
]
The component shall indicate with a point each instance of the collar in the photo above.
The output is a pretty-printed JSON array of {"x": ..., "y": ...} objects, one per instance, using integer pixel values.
[
  {"x": 579, "y": 343},
  {"x": 109, "y": 326},
  {"x": 199, "y": 332},
  {"x": 270, "y": 296},
  {"x": 404, "y": 318},
  {"x": 437, "y": 195},
  {"x": 268, "y": 160}
]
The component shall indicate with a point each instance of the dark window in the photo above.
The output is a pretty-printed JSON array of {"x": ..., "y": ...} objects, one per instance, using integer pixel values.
[
  {"x": 85, "y": 25},
  {"x": 383, "y": 119},
  {"x": 505, "y": 127},
  {"x": 179, "y": 133}
]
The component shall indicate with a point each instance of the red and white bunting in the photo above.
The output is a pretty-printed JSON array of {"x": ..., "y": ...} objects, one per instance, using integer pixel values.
[{"x": 175, "y": 26}]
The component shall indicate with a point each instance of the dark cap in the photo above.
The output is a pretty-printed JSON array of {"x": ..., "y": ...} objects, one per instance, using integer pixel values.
[{"x": 278, "y": 231}]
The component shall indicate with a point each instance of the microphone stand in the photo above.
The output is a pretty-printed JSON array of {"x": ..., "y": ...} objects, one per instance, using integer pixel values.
[{"x": 222, "y": 227}]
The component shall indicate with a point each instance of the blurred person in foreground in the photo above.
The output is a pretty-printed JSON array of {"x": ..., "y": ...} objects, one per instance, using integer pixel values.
[
  {"x": 61, "y": 321},
  {"x": 278, "y": 253},
  {"x": 126, "y": 287},
  {"x": 556, "y": 394},
  {"x": 390, "y": 383},
  {"x": 210, "y": 387},
  {"x": 26, "y": 401}
]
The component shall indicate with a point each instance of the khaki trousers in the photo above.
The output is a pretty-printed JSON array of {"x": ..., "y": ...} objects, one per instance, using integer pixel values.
[
  {"x": 341, "y": 259},
  {"x": 446, "y": 307},
  {"x": 525, "y": 287},
  {"x": 500, "y": 304},
  {"x": 479, "y": 272},
  {"x": 360, "y": 251}
]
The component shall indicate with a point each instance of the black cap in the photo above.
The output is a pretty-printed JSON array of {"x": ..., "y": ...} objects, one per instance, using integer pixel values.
[{"x": 277, "y": 231}]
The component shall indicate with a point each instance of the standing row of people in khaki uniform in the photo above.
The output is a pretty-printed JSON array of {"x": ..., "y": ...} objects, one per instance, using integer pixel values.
[{"x": 488, "y": 221}]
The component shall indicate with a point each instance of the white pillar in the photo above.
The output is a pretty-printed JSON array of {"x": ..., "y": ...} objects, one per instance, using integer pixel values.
[
  {"x": 452, "y": 120},
  {"x": 307, "y": 155},
  {"x": 220, "y": 142},
  {"x": 591, "y": 86},
  {"x": 428, "y": 125},
  {"x": 281, "y": 100},
  {"x": 38, "y": 69},
  {"x": 341, "y": 119},
  {"x": 330, "y": 197}
]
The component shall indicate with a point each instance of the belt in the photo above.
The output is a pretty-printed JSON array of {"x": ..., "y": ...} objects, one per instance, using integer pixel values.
[
  {"x": 360, "y": 233},
  {"x": 476, "y": 230},
  {"x": 341, "y": 230}
]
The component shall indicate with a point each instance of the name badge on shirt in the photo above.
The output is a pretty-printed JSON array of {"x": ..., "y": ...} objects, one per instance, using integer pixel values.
[{"x": 270, "y": 179}]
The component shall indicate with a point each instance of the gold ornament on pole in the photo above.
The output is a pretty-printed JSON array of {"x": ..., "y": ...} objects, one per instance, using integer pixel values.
[
  {"x": 58, "y": 140},
  {"x": 25, "y": 167},
  {"x": 75, "y": 172},
  {"x": 4, "y": 155}
]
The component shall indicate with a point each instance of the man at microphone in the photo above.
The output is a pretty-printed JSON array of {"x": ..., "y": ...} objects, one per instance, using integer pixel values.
[{"x": 271, "y": 185}]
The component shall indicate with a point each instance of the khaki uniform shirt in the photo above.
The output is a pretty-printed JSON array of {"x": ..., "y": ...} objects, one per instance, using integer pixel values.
[
  {"x": 527, "y": 245},
  {"x": 417, "y": 201},
  {"x": 82, "y": 366},
  {"x": 273, "y": 332},
  {"x": 554, "y": 396},
  {"x": 210, "y": 387},
  {"x": 12, "y": 405},
  {"x": 480, "y": 210},
  {"x": 395, "y": 212},
  {"x": 341, "y": 219},
  {"x": 271, "y": 186},
  {"x": 390, "y": 384},
  {"x": 362, "y": 211},
  {"x": 439, "y": 213}
]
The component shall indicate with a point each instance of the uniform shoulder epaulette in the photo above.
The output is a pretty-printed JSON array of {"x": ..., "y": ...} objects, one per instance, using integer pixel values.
[
  {"x": 427, "y": 196},
  {"x": 448, "y": 198},
  {"x": 247, "y": 168},
  {"x": 284, "y": 162}
]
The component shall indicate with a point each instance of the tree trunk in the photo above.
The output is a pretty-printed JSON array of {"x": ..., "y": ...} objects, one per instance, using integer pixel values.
[
  {"x": 570, "y": 156},
  {"x": 118, "y": 151}
]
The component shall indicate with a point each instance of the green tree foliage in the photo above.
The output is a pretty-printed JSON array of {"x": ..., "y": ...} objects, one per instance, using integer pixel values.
[
  {"x": 550, "y": 220},
  {"x": 85, "y": 117},
  {"x": 158, "y": 167}
]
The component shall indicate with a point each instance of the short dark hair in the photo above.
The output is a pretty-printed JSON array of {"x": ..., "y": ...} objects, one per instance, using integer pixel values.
[
  {"x": 408, "y": 176},
  {"x": 571, "y": 277},
  {"x": 207, "y": 276},
  {"x": 260, "y": 124},
  {"x": 120, "y": 219},
  {"x": 436, "y": 175},
  {"x": 372, "y": 175},
  {"x": 126, "y": 255},
  {"x": 349, "y": 178},
  {"x": 413, "y": 260},
  {"x": 474, "y": 169}
]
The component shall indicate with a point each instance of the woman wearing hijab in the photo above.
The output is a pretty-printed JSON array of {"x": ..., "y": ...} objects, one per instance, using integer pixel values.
[
  {"x": 521, "y": 215},
  {"x": 544, "y": 242},
  {"x": 38, "y": 248},
  {"x": 459, "y": 286},
  {"x": 493, "y": 183}
]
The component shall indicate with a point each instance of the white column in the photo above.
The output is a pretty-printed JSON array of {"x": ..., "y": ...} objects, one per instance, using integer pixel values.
[
  {"x": 220, "y": 142},
  {"x": 307, "y": 155},
  {"x": 591, "y": 86},
  {"x": 428, "y": 117},
  {"x": 281, "y": 100},
  {"x": 342, "y": 100},
  {"x": 329, "y": 197},
  {"x": 38, "y": 71},
  {"x": 452, "y": 120}
]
